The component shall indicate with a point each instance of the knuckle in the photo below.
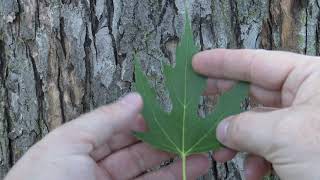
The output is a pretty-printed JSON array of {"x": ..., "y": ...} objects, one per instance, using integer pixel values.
[
  {"x": 107, "y": 109},
  {"x": 137, "y": 158},
  {"x": 239, "y": 129},
  {"x": 170, "y": 174},
  {"x": 251, "y": 56},
  {"x": 112, "y": 110},
  {"x": 235, "y": 129},
  {"x": 284, "y": 129}
]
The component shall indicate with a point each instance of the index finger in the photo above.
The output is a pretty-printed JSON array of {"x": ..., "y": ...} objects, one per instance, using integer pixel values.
[{"x": 267, "y": 69}]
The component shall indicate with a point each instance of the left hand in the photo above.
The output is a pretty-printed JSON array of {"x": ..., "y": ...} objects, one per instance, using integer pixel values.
[{"x": 100, "y": 146}]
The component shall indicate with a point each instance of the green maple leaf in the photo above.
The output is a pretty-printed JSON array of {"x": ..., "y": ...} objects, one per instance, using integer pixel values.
[{"x": 182, "y": 131}]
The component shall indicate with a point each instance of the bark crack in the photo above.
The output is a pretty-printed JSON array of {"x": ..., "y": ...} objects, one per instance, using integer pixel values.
[
  {"x": 110, "y": 16},
  {"x": 318, "y": 38},
  {"x": 18, "y": 17},
  {"x": 227, "y": 170},
  {"x": 174, "y": 19},
  {"x": 7, "y": 158},
  {"x": 163, "y": 12},
  {"x": 37, "y": 18},
  {"x": 60, "y": 89},
  {"x": 6, "y": 117},
  {"x": 8, "y": 129},
  {"x": 269, "y": 22},
  {"x": 306, "y": 32},
  {"x": 236, "y": 23},
  {"x": 93, "y": 18},
  {"x": 2, "y": 62},
  {"x": 200, "y": 30},
  {"x": 214, "y": 167},
  {"x": 317, "y": 30},
  {"x": 39, "y": 93},
  {"x": 62, "y": 36},
  {"x": 87, "y": 89}
]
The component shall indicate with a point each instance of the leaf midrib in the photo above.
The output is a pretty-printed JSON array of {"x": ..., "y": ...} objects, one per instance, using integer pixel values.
[{"x": 184, "y": 106}]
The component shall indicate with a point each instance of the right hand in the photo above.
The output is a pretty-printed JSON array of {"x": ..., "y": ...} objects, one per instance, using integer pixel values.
[{"x": 287, "y": 135}]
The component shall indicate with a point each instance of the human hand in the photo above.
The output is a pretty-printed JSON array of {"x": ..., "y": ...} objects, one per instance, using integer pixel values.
[
  {"x": 287, "y": 135},
  {"x": 100, "y": 146}
]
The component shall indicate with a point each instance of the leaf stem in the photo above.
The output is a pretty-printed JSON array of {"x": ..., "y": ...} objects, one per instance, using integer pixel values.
[{"x": 184, "y": 162}]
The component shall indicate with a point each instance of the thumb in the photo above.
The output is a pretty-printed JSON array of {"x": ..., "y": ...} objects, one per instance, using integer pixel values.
[
  {"x": 250, "y": 131},
  {"x": 99, "y": 125}
]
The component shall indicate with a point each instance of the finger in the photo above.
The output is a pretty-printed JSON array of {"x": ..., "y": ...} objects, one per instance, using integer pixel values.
[
  {"x": 261, "y": 95},
  {"x": 119, "y": 141},
  {"x": 310, "y": 90},
  {"x": 135, "y": 160},
  {"x": 197, "y": 165},
  {"x": 256, "y": 167},
  {"x": 218, "y": 86},
  {"x": 113, "y": 145},
  {"x": 224, "y": 154},
  {"x": 262, "y": 109},
  {"x": 267, "y": 69},
  {"x": 95, "y": 128},
  {"x": 266, "y": 97},
  {"x": 250, "y": 131}
]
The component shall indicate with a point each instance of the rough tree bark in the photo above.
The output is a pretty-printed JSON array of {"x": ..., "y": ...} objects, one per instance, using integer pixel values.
[{"x": 61, "y": 58}]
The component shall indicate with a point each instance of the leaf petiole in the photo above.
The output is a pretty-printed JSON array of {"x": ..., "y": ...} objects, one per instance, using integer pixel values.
[{"x": 184, "y": 162}]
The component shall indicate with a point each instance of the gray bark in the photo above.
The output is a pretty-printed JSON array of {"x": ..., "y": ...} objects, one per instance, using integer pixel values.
[{"x": 61, "y": 58}]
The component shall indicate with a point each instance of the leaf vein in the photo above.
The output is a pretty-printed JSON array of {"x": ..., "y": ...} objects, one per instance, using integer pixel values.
[
  {"x": 165, "y": 133},
  {"x": 203, "y": 137}
]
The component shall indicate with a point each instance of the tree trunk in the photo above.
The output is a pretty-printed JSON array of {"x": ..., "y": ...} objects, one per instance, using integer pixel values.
[{"x": 61, "y": 58}]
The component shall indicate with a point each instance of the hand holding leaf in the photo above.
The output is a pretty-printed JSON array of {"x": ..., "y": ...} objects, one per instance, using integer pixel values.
[{"x": 182, "y": 131}]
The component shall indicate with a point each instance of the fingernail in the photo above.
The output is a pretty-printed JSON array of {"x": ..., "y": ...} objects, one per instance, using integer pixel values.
[
  {"x": 264, "y": 109},
  {"x": 195, "y": 61},
  {"x": 195, "y": 57},
  {"x": 222, "y": 130},
  {"x": 131, "y": 99}
]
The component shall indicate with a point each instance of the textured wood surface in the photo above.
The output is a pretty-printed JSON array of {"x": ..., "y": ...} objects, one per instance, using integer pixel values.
[{"x": 61, "y": 58}]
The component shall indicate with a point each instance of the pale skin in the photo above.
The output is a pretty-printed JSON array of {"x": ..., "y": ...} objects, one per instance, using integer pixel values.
[
  {"x": 285, "y": 135},
  {"x": 99, "y": 145}
]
